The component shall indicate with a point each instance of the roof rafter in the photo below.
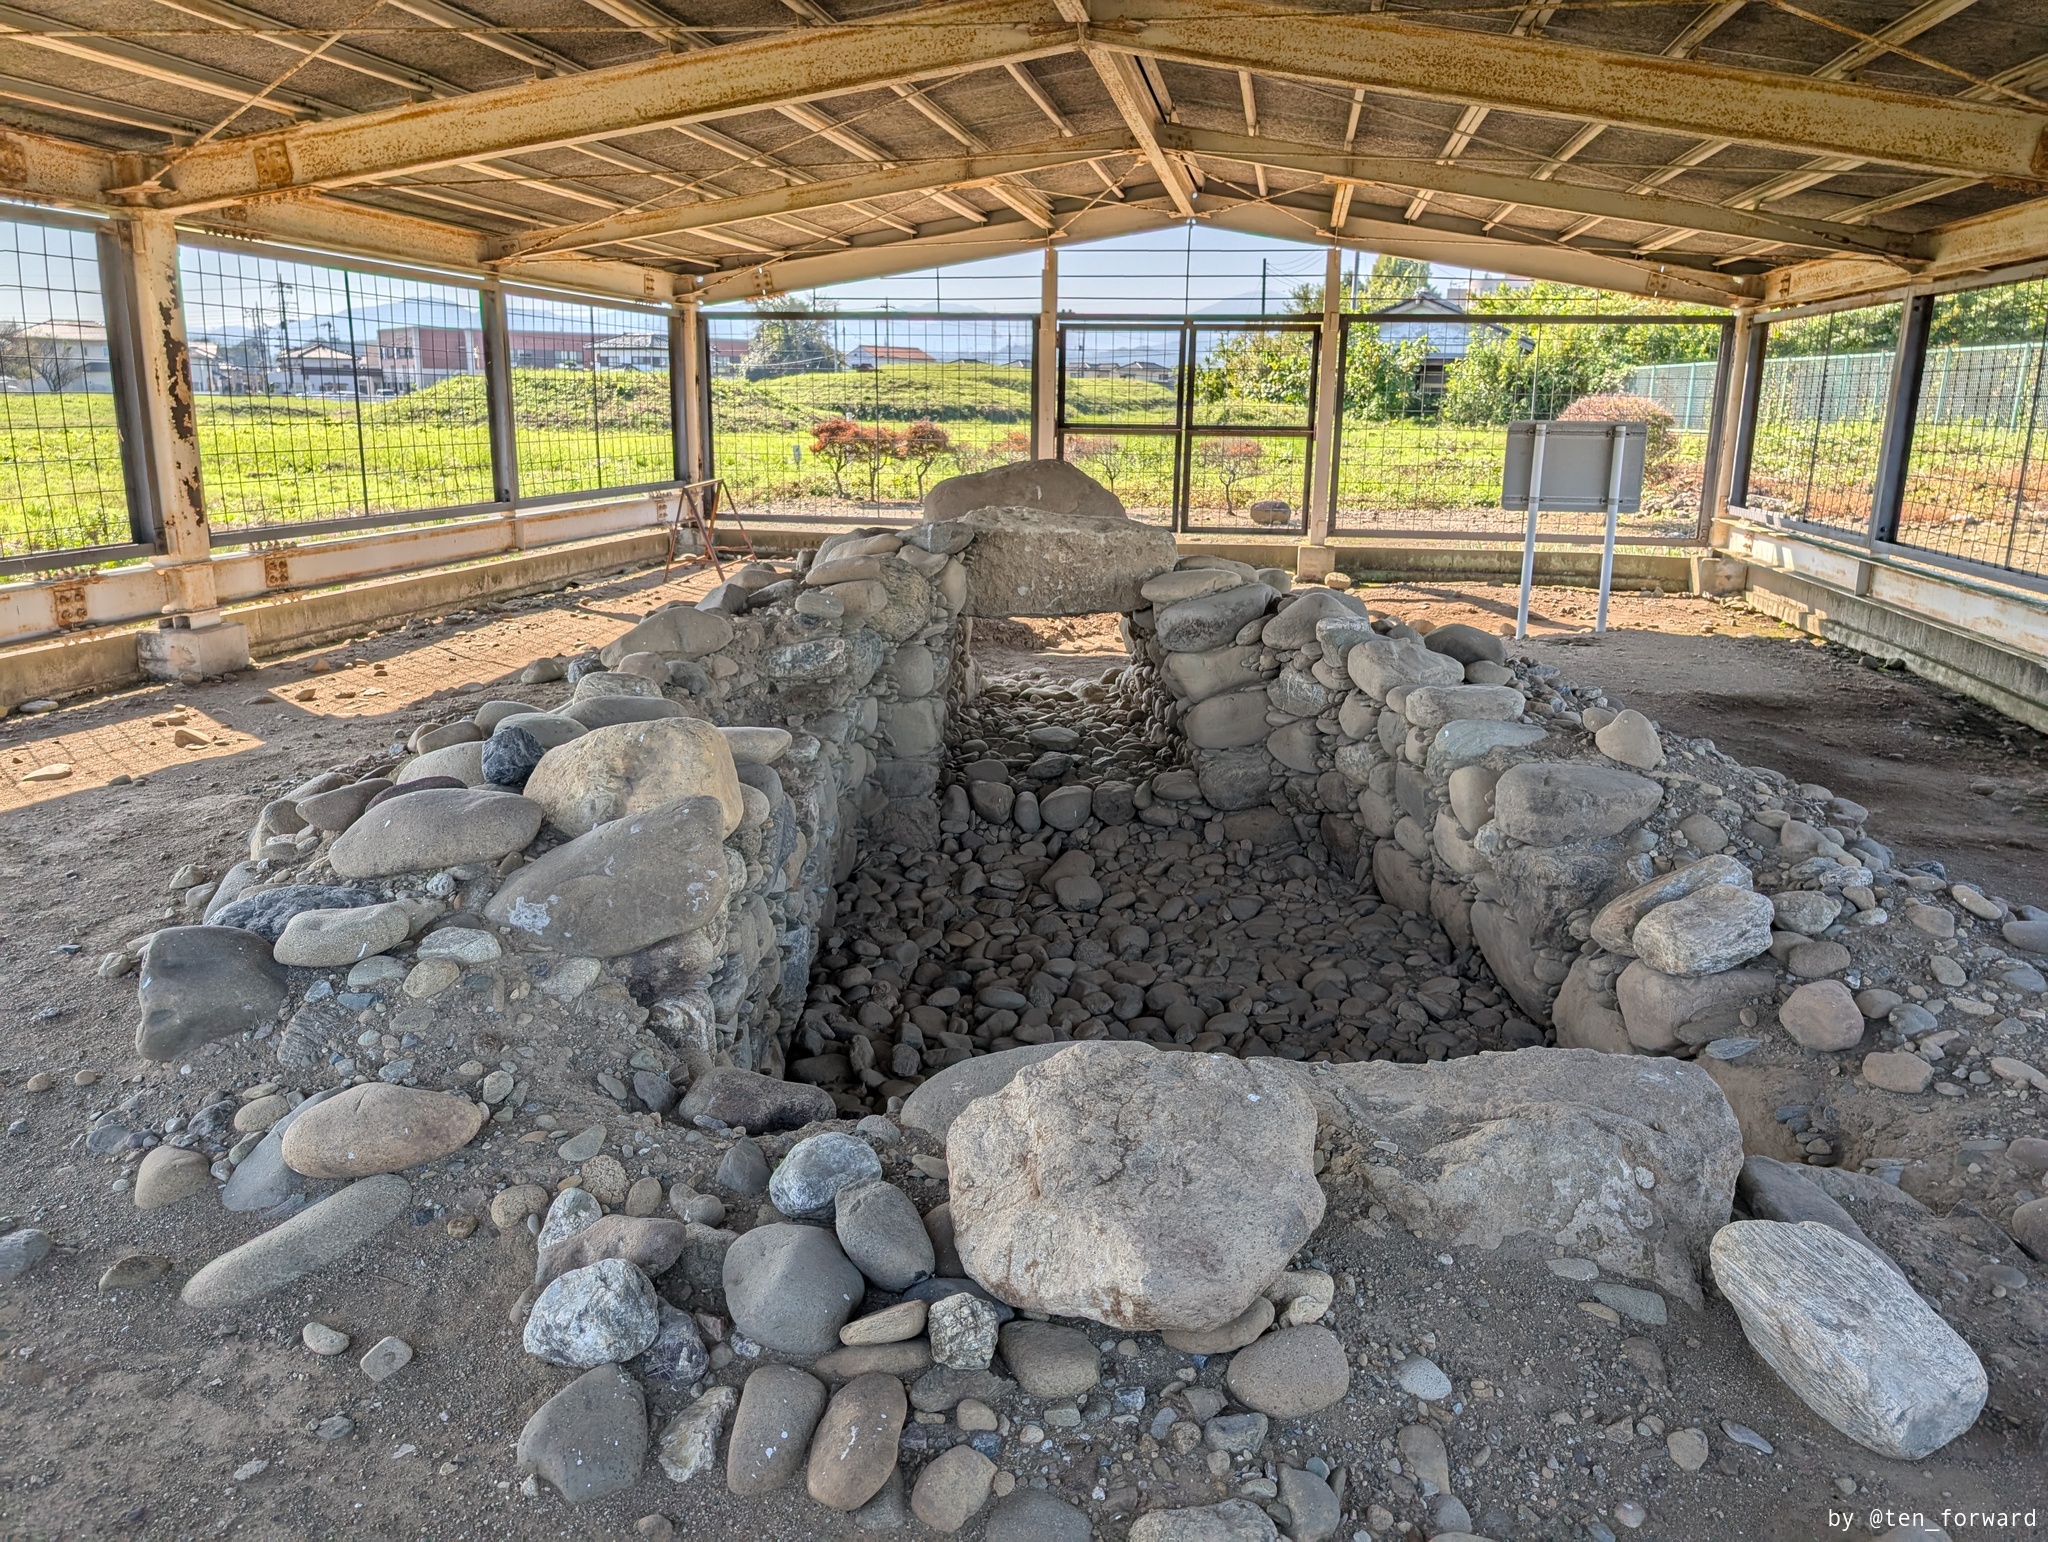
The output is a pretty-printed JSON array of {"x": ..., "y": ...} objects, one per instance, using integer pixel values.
[
  {"x": 915, "y": 177},
  {"x": 1532, "y": 75},
  {"x": 1571, "y": 197}
]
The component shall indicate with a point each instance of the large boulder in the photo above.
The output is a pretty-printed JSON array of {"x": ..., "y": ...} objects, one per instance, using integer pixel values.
[
  {"x": 1035, "y": 562},
  {"x": 1628, "y": 1160},
  {"x": 438, "y": 827},
  {"x": 1663, "y": 1011},
  {"x": 379, "y": 1128},
  {"x": 1550, "y": 803},
  {"x": 609, "y": 773},
  {"x": 674, "y": 628},
  {"x": 1039, "y": 486},
  {"x": 626, "y": 885},
  {"x": 1140, "y": 1189},
  {"x": 200, "y": 983},
  {"x": 938, "y": 1100},
  {"x": 1209, "y": 621},
  {"x": 1857, "y": 1343}
]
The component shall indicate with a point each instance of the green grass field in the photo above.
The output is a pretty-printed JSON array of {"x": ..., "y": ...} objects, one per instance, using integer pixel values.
[{"x": 281, "y": 460}]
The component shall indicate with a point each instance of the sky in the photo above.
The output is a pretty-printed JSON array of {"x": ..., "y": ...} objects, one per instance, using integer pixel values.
[
  {"x": 1194, "y": 270},
  {"x": 1199, "y": 270}
]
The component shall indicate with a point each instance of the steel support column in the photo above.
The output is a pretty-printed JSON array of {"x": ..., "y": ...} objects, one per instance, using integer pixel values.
[
  {"x": 1322, "y": 496},
  {"x": 1729, "y": 360},
  {"x": 1902, "y": 410},
  {"x": 1045, "y": 336},
  {"x": 497, "y": 364},
  {"x": 117, "y": 295},
  {"x": 691, "y": 389},
  {"x": 170, "y": 435},
  {"x": 1742, "y": 441}
]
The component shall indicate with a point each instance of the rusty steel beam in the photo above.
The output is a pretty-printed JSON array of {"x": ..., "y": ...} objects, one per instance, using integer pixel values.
[
  {"x": 2007, "y": 238},
  {"x": 38, "y": 166},
  {"x": 1384, "y": 52},
  {"x": 1383, "y": 230},
  {"x": 800, "y": 65},
  {"x": 1134, "y": 101},
  {"x": 915, "y": 177},
  {"x": 354, "y": 229},
  {"x": 1471, "y": 182}
]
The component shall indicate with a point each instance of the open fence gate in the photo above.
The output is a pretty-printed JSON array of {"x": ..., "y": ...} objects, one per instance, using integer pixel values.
[{"x": 1148, "y": 408}]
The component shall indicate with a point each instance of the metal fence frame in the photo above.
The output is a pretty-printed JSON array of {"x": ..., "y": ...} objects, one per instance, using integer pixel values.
[
  {"x": 1899, "y": 434},
  {"x": 1185, "y": 428},
  {"x": 1715, "y": 427},
  {"x": 707, "y": 431},
  {"x": 143, "y": 499}
]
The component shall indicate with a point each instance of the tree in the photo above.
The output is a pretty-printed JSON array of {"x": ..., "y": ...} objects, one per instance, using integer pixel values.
[
  {"x": 1110, "y": 458},
  {"x": 921, "y": 444},
  {"x": 1231, "y": 462},
  {"x": 798, "y": 341},
  {"x": 844, "y": 443},
  {"x": 1661, "y": 440},
  {"x": 58, "y": 362}
]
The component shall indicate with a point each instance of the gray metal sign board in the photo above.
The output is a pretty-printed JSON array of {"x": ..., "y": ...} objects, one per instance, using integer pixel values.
[{"x": 1577, "y": 474}]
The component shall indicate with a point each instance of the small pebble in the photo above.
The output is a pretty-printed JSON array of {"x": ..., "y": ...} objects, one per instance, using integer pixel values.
[{"x": 323, "y": 1340}]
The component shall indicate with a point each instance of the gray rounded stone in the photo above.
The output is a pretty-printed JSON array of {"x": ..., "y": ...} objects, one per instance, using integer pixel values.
[
  {"x": 597, "y": 1315},
  {"x": 790, "y": 1288},
  {"x": 315, "y": 1237},
  {"x": 1029, "y": 1515},
  {"x": 808, "y": 1181},
  {"x": 1552, "y": 803},
  {"x": 962, "y": 1329},
  {"x": 1852, "y": 1338},
  {"x": 744, "y": 1168},
  {"x": 589, "y": 1439},
  {"x": 1291, "y": 1373},
  {"x": 1707, "y": 931},
  {"x": 1235, "y": 1520},
  {"x": 1050, "y": 1361},
  {"x": 200, "y": 983},
  {"x": 441, "y": 827},
  {"x": 268, "y": 911},
  {"x": 753, "y": 1101},
  {"x": 883, "y": 1235},
  {"x": 771, "y": 1430},
  {"x": 857, "y": 1441},
  {"x": 510, "y": 755},
  {"x": 1209, "y": 620}
]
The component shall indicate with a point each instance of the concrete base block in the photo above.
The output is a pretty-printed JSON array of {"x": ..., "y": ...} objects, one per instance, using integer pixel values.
[
  {"x": 187, "y": 654},
  {"x": 1314, "y": 563}
]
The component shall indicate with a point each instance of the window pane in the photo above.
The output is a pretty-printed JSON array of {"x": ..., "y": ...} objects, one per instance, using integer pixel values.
[
  {"x": 590, "y": 396},
  {"x": 60, "y": 451},
  {"x": 325, "y": 392}
]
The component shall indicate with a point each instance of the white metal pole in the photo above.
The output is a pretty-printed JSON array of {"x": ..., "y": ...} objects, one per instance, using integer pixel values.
[
  {"x": 1329, "y": 391},
  {"x": 1617, "y": 439},
  {"x": 1529, "y": 535},
  {"x": 1045, "y": 359}
]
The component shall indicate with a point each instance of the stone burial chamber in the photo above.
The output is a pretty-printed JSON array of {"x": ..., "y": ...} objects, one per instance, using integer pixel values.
[{"x": 995, "y": 1014}]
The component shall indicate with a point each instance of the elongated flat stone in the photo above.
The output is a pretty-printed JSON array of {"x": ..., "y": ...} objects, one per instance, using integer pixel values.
[{"x": 312, "y": 1239}]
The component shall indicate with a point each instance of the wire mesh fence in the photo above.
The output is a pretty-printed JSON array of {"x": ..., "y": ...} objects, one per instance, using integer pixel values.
[
  {"x": 1820, "y": 417},
  {"x": 591, "y": 408},
  {"x": 1428, "y": 392},
  {"x": 1975, "y": 486},
  {"x": 61, "y": 484},
  {"x": 829, "y": 416},
  {"x": 327, "y": 393}
]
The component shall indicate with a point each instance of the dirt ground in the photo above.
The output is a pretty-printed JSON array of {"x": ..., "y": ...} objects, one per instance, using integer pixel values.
[{"x": 125, "y": 1415}]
